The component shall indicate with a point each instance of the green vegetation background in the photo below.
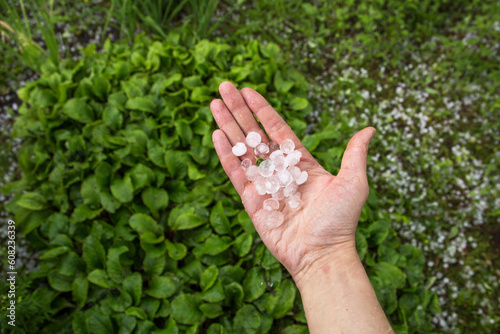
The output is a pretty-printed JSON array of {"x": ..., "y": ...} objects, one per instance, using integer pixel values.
[{"x": 132, "y": 220}]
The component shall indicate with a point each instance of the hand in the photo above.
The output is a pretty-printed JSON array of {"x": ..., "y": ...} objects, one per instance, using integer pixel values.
[{"x": 325, "y": 226}]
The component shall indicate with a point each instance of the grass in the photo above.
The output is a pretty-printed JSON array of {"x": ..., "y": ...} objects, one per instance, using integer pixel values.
[{"x": 426, "y": 75}]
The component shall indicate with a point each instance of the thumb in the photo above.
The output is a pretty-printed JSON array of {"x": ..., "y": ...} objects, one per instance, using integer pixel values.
[{"x": 354, "y": 160}]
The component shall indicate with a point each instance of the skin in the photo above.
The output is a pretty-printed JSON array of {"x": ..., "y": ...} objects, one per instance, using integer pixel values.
[{"x": 316, "y": 244}]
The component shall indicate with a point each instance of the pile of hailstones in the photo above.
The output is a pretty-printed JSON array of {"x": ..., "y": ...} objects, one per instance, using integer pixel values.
[{"x": 276, "y": 175}]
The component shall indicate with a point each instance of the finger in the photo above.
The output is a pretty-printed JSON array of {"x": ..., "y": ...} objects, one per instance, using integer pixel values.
[
  {"x": 354, "y": 160},
  {"x": 275, "y": 126},
  {"x": 240, "y": 111},
  {"x": 227, "y": 123},
  {"x": 232, "y": 167}
]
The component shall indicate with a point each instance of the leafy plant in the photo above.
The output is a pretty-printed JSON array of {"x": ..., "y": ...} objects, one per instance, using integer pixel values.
[
  {"x": 138, "y": 227},
  {"x": 121, "y": 192}
]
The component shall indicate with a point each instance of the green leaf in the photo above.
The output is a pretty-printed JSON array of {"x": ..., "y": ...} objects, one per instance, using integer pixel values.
[
  {"x": 271, "y": 50},
  {"x": 125, "y": 322},
  {"x": 108, "y": 202},
  {"x": 361, "y": 244},
  {"x": 453, "y": 232},
  {"x": 122, "y": 189},
  {"x": 115, "y": 269},
  {"x": 183, "y": 129},
  {"x": 282, "y": 301},
  {"x": 141, "y": 176},
  {"x": 138, "y": 142},
  {"x": 32, "y": 201},
  {"x": 378, "y": 232},
  {"x": 119, "y": 302},
  {"x": 186, "y": 221},
  {"x": 298, "y": 103},
  {"x": 145, "y": 104},
  {"x": 213, "y": 246},
  {"x": 253, "y": 284},
  {"x": 60, "y": 282},
  {"x": 100, "y": 277},
  {"x": 215, "y": 328},
  {"x": 83, "y": 212},
  {"x": 143, "y": 224},
  {"x": 176, "y": 251},
  {"x": 133, "y": 285},
  {"x": 211, "y": 311},
  {"x": 53, "y": 252},
  {"x": 93, "y": 253},
  {"x": 90, "y": 192},
  {"x": 103, "y": 173},
  {"x": 112, "y": 117},
  {"x": 99, "y": 322},
  {"x": 156, "y": 153},
  {"x": 136, "y": 312},
  {"x": 213, "y": 294},
  {"x": 219, "y": 220},
  {"x": 185, "y": 309},
  {"x": 194, "y": 173},
  {"x": 295, "y": 329},
  {"x": 234, "y": 294},
  {"x": 78, "y": 109},
  {"x": 176, "y": 163},
  {"x": 247, "y": 320},
  {"x": 150, "y": 306},
  {"x": 101, "y": 87},
  {"x": 389, "y": 274},
  {"x": 243, "y": 244},
  {"x": 208, "y": 277},
  {"x": 161, "y": 287},
  {"x": 153, "y": 264},
  {"x": 282, "y": 85},
  {"x": 155, "y": 199}
]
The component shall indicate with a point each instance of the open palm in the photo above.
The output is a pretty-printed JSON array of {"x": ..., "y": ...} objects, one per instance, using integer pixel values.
[{"x": 331, "y": 204}]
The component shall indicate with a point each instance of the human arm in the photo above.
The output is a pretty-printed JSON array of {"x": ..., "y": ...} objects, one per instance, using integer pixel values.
[{"x": 316, "y": 244}]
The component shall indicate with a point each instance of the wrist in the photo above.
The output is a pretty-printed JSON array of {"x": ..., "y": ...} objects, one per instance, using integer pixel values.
[{"x": 334, "y": 262}]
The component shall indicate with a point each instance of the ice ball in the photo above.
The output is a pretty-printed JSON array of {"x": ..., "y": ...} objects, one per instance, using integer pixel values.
[
  {"x": 287, "y": 146},
  {"x": 253, "y": 139},
  {"x": 239, "y": 149},
  {"x": 271, "y": 204}
]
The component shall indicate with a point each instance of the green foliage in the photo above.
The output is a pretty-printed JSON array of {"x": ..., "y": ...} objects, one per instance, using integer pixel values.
[
  {"x": 15, "y": 24},
  {"x": 124, "y": 195}
]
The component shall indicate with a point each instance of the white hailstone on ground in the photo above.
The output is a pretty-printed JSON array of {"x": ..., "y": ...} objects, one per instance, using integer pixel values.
[
  {"x": 274, "y": 219},
  {"x": 266, "y": 168},
  {"x": 285, "y": 177},
  {"x": 261, "y": 149},
  {"x": 295, "y": 171},
  {"x": 293, "y": 158},
  {"x": 294, "y": 202},
  {"x": 271, "y": 204},
  {"x": 252, "y": 173},
  {"x": 290, "y": 189},
  {"x": 239, "y": 149},
  {"x": 253, "y": 139},
  {"x": 246, "y": 163},
  {"x": 279, "y": 195},
  {"x": 272, "y": 185},
  {"x": 302, "y": 178},
  {"x": 287, "y": 146}
]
